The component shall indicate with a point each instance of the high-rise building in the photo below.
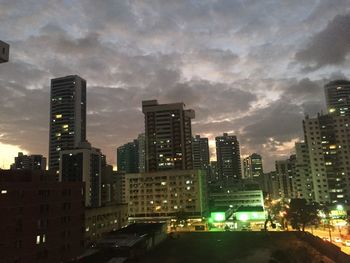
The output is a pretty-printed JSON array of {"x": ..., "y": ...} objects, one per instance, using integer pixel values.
[
  {"x": 338, "y": 97},
  {"x": 270, "y": 185},
  {"x": 285, "y": 174},
  {"x": 4, "y": 52},
  {"x": 327, "y": 138},
  {"x": 29, "y": 162},
  {"x": 41, "y": 219},
  {"x": 303, "y": 186},
  {"x": 67, "y": 116},
  {"x": 128, "y": 157},
  {"x": 228, "y": 158},
  {"x": 83, "y": 164},
  {"x": 168, "y": 136},
  {"x": 213, "y": 172},
  {"x": 252, "y": 166},
  {"x": 200, "y": 151},
  {"x": 142, "y": 152}
]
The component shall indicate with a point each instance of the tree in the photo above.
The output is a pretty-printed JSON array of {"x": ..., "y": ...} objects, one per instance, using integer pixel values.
[{"x": 300, "y": 214}]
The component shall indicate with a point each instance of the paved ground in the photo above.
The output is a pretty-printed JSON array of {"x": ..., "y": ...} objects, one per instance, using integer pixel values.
[
  {"x": 234, "y": 247},
  {"x": 325, "y": 233}
]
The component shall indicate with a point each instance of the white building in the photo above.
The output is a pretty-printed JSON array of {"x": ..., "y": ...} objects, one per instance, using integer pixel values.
[
  {"x": 164, "y": 194},
  {"x": 328, "y": 141},
  {"x": 303, "y": 186}
]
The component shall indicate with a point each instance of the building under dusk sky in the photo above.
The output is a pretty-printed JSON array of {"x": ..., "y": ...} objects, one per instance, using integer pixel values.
[
  {"x": 176, "y": 122},
  {"x": 252, "y": 69}
]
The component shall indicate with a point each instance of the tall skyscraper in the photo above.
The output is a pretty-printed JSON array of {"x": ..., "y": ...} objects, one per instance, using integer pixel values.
[
  {"x": 67, "y": 116},
  {"x": 4, "y": 52},
  {"x": 142, "y": 152},
  {"x": 168, "y": 136},
  {"x": 285, "y": 173},
  {"x": 270, "y": 185},
  {"x": 328, "y": 141},
  {"x": 252, "y": 166},
  {"x": 213, "y": 172},
  {"x": 29, "y": 162},
  {"x": 200, "y": 151},
  {"x": 83, "y": 164},
  {"x": 338, "y": 97},
  {"x": 128, "y": 157},
  {"x": 228, "y": 158},
  {"x": 303, "y": 186}
]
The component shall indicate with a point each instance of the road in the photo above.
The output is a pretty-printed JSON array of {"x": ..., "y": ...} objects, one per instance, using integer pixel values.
[{"x": 324, "y": 233}]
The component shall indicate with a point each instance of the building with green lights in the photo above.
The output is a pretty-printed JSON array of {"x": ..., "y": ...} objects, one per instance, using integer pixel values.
[
  {"x": 235, "y": 199},
  {"x": 220, "y": 215},
  {"x": 256, "y": 213}
]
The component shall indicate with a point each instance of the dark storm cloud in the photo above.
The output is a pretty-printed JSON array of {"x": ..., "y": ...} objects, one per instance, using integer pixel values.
[
  {"x": 228, "y": 60},
  {"x": 328, "y": 47}
]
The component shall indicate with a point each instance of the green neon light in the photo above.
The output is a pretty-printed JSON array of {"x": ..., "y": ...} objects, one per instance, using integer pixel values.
[
  {"x": 218, "y": 216},
  {"x": 245, "y": 216}
]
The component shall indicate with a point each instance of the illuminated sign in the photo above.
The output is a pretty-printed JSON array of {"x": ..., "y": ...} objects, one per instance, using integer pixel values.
[
  {"x": 250, "y": 216},
  {"x": 218, "y": 216}
]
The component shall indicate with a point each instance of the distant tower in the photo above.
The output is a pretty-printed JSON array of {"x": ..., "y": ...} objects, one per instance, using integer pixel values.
[
  {"x": 338, "y": 97},
  {"x": 29, "y": 162},
  {"x": 285, "y": 175},
  {"x": 228, "y": 158},
  {"x": 252, "y": 166},
  {"x": 128, "y": 157},
  {"x": 83, "y": 164},
  {"x": 142, "y": 152},
  {"x": 4, "y": 52},
  {"x": 168, "y": 136},
  {"x": 67, "y": 116},
  {"x": 200, "y": 151}
]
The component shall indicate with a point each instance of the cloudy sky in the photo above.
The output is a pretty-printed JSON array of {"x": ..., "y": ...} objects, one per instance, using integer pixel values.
[{"x": 248, "y": 67}]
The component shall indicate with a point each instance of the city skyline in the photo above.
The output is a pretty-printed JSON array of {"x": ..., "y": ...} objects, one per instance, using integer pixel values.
[{"x": 254, "y": 78}]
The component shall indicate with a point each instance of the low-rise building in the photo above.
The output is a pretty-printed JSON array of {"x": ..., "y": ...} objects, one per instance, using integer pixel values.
[
  {"x": 235, "y": 199},
  {"x": 165, "y": 194},
  {"x": 128, "y": 244},
  {"x": 101, "y": 220},
  {"x": 41, "y": 220}
]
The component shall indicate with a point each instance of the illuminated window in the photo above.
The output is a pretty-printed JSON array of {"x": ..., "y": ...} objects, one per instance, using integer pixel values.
[
  {"x": 38, "y": 239},
  {"x": 44, "y": 238},
  {"x": 65, "y": 126},
  {"x": 3, "y": 192},
  {"x": 58, "y": 116}
]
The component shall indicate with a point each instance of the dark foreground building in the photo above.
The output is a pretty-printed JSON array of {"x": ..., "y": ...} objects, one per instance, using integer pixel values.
[{"x": 41, "y": 219}]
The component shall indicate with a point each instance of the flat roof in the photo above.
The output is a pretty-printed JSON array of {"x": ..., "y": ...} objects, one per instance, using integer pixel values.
[{"x": 250, "y": 209}]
